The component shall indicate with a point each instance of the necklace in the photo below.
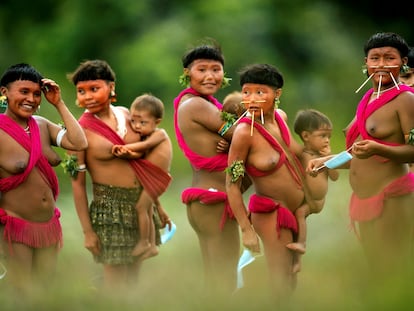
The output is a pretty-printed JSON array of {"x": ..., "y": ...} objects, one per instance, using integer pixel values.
[
  {"x": 383, "y": 91},
  {"x": 27, "y": 130},
  {"x": 308, "y": 151}
]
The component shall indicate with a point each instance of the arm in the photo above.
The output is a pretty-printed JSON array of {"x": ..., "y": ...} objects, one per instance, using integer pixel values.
[
  {"x": 91, "y": 240},
  {"x": 74, "y": 137},
  {"x": 238, "y": 154}
]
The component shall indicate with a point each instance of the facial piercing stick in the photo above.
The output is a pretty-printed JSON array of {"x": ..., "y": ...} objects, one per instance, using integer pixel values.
[
  {"x": 379, "y": 86},
  {"x": 243, "y": 114},
  {"x": 251, "y": 126},
  {"x": 365, "y": 82},
  {"x": 395, "y": 82},
  {"x": 261, "y": 115}
]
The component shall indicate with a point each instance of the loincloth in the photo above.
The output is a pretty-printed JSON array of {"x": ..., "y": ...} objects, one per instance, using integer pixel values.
[
  {"x": 32, "y": 234},
  {"x": 285, "y": 218}
]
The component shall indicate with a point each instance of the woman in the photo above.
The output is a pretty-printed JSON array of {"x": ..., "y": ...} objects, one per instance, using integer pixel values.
[
  {"x": 262, "y": 147},
  {"x": 381, "y": 137},
  {"x": 110, "y": 223},
  {"x": 29, "y": 218},
  {"x": 197, "y": 119}
]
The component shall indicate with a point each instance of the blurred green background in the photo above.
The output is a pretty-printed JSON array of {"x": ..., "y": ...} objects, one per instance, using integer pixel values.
[{"x": 318, "y": 47}]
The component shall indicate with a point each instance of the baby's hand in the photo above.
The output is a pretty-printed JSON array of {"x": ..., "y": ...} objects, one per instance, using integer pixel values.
[{"x": 325, "y": 151}]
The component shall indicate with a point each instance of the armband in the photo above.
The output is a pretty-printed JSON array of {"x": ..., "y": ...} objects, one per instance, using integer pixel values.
[
  {"x": 70, "y": 165},
  {"x": 59, "y": 137},
  {"x": 410, "y": 137},
  {"x": 235, "y": 170},
  {"x": 224, "y": 128}
]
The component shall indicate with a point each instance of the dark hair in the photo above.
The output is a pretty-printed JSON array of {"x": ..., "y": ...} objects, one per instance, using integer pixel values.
[
  {"x": 261, "y": 74},
  {"x": 20, "y": 71},
  {"x": 410, "y": 56},
  {"x": 92, "y": 70},
  {"x": 150, "y": 103},
  {"x": 310, "y": 120},
  {"x": 382, "y": 39},
  {"x": 208, "y": 50}
]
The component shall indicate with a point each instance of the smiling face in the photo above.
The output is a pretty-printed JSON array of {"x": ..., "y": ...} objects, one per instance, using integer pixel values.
[
  {"x": 384, "y": 62},
  {"x": 94, "y": 95},
  {"x": 23, "y": 97},
  {"x": 206, "y": 76}
]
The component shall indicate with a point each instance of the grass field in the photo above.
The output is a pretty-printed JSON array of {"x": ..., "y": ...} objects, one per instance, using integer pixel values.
[{"x": 332, "y": 276}]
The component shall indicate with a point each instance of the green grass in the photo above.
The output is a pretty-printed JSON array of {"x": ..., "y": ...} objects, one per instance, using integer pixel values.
[{"x": 332, "y": 277}]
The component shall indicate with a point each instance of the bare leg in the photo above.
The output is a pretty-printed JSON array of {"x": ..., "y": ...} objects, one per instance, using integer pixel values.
[
  {"x": 300, "y": 245},
  {"x": 153, "y": 249},
  {"x": 220, "y": 248},
  {"x": 145, "y": 222}
]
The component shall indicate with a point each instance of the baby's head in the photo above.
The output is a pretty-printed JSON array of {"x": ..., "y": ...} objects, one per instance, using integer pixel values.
[
  {"x": 232, "y": 103},
  {"x": 146, "y": 113}
]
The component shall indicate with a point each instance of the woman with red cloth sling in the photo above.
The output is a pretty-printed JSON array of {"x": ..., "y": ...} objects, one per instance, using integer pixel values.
[
  {"x": 258, "y": 149},
  {"x": 382, "y": 143},
  {"x": 29, "y": 219},
  {"x": 197, "y": 118}
]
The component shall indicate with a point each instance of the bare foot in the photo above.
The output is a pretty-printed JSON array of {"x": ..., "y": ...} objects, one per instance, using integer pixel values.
[
  {"x": 141, "y": 248},
  {"x": 151, "y": 252},
  {"x": 297, "y": 247}
]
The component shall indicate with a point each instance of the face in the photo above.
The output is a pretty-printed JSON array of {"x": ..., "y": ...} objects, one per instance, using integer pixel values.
[
  {"x": 143, "y": 122},
  {"x": 259, "y": 96},
  {"x": 23, "y": 97},
  {"x": 94, "y": 95},
  {"x": 408, "y": 78},
  {"x": 318, "y": 140},
  {"x": 384, "y": 62},
  {"x": 206, "y": 76}
]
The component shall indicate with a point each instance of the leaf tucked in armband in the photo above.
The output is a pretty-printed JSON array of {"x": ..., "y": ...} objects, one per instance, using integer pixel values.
[
  {"x": 410, "y": 139},
  {"x": 70, "y": 165},
  {"x": 235, "y": 170}
]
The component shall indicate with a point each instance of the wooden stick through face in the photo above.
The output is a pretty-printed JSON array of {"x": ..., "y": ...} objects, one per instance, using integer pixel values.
[
  {"x": 365, "y": 82},
  {"x": 251, "y": 125},
  {"x": 379, "y": 87}
]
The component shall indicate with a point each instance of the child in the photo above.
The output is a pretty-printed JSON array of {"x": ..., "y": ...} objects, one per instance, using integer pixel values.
[
  {"x": 146, "y": 113},
  {"x": 314, "y": 128}
]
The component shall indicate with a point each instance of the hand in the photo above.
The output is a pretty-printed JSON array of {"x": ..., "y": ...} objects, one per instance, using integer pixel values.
[
  {"x": 51, "y": 90},
  {"x": 92, "y": 243},
  {"x": 222, "y": 146},
  {"x": 364, "y": 149},
  {"x": 251, "y": 240}
]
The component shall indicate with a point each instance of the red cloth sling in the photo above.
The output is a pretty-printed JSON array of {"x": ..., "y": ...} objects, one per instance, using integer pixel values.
[
  {"x": 209, "y": 197},
  {"x": 33, "y": 146},
  {"x": 365, "y": 109},
  {"x": 284, "y": 130},
  {"x": 154, "y": 179},
  {"x": 215, "y": 163},
  {"x": 285, "y": 218}
]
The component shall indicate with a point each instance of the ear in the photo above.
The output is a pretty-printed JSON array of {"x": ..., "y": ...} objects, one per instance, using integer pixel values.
[
  {"x": 278, "y": 93},
  {"x": 305, "y": 135},
  {"x": 405, "y": 60},
  {"x": 3, "y": 90},
  {"x": 158, "y": 121}
]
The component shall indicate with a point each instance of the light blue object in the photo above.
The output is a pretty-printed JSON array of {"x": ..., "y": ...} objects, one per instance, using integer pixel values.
[
  {"x": 3, "y": 271},
  {"x": 245, "y": 259},
  {"x": 338, "y": 160},
  {"x": 168, "y": 233}
]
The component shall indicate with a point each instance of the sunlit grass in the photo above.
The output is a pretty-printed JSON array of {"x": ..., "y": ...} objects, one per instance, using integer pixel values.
[{"x": 333, "y": 276}]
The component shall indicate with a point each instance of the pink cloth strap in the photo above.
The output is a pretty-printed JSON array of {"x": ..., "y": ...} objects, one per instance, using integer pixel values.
[
  {"x": 284, "y": 130},
  {"x": 285, "y": 218},
  {"x": 32, "y": 144},
  {"x": 367, "y": 209},
  {"x": 365, "y": 109},
  {"x": 209, "y": 197},
  {"x": 154, "y": 179},
  {"x": 215, "y": 163}
]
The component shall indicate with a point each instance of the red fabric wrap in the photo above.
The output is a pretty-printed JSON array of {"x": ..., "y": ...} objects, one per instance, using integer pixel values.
[
  {"x": 154, "y": 179},
  {"x": 33, "y": 146},
  {"x": 366, "y": 108},
  {"x": 32, "y": 234},
  {"x": 370, "y": 208},
  {"x": 215, "y": 163},
  {"x": 209, "y": 197},
  {"x": 285, "y": 218}
]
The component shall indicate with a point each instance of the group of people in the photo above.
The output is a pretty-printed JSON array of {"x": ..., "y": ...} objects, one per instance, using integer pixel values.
[{"x": 253, "y": 149}]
